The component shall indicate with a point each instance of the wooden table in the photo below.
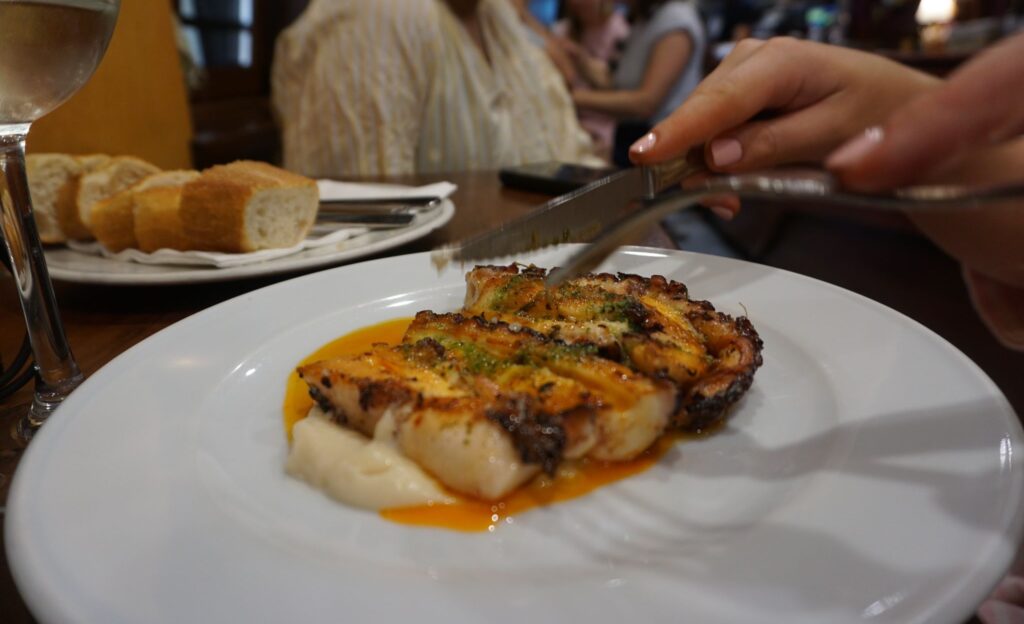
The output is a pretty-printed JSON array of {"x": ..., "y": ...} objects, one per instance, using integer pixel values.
[
  {"x": 890, "y": 265},
  {"x": 103, "y": 321}
]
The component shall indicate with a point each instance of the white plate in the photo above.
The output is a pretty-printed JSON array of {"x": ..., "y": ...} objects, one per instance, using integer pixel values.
[
  {"x": 73, "y": 266},
  {"x": 870, "y": 473}
]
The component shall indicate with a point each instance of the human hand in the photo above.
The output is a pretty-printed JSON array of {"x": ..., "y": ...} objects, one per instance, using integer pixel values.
[
  {"x": 816, "y": 97},
  {"x": 968, "y": 131},
  {"x": 977, "y": 108},
  {"x": 594, "y": 71},
  {"x": 921, "y": 130},
  {"x": 1006, "y": 604}
]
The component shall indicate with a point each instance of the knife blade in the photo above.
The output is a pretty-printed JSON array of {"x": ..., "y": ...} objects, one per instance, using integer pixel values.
[{"x": 575, "y": 217}]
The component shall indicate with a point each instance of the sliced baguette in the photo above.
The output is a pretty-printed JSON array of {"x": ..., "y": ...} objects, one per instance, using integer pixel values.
[
  {"x": 156, "y": 212},
  {"x": 48, "y": 174},
  {"x": 67, "y": 198},
  {"x": 120, "y": 173},
  {"x": 247, "y": 206},
  {"x": 112, "y": 219}
]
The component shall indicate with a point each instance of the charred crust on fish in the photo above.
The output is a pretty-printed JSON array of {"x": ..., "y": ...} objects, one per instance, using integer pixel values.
[
  {"x": 539, "y": 438},
  {"x": 706, "y": 385}
]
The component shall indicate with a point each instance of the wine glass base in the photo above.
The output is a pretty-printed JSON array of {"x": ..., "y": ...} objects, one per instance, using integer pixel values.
[{"x": 45, "y": 401}]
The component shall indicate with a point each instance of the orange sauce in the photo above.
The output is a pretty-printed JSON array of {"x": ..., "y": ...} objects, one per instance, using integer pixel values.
[
  {"x": 570, "y": 482},
  {"x": 297, "y": 401},
  {"x": 469, "y": 514}
]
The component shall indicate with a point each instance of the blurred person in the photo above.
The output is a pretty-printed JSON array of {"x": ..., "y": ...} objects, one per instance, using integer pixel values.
[
  {"x": 661, "y": 63},
  {"x": 546, "y": 39},
  {"x": 591, "y": 33},
  {"x": 878, "y": 125},
  {"x": 403, "y": 86}
]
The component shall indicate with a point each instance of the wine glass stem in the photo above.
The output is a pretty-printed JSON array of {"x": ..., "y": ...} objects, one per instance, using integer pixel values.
[{"x": 57, "y": 374}]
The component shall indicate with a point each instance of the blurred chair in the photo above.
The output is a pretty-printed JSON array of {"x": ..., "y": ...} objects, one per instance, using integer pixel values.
[{"x": 135, "y": 104}]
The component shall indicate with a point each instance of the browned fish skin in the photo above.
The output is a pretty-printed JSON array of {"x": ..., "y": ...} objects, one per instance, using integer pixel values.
[
  {"x": 440, "y": 419},
  {"x": 649, "y": 323},
  {"x": 546, "y": 415},
  {"x": 630, "y": 410}
]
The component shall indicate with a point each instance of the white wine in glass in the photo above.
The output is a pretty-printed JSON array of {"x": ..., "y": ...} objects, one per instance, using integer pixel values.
[{"x": 48, "y": 50}]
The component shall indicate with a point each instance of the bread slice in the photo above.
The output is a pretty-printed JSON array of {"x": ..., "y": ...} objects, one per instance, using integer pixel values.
[
  {"x": 67, "y": 198},
  {"x": 247, "y": 206},
  {"x": 48, "y": 174},
  {"x": 112, "y": 222},
  {"x": 112, "y": 219},
  {"x": 120, "y": 173},
  {"x": 156, "y": 211}
]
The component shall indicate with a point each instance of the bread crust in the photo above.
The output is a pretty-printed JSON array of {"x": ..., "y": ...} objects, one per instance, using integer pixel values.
[
  {"x": 94, "y": 186},
  {"x": 157, "y": 215},
  {"x": 229, "y": 208},
  {"x": 112, "y": 221},
  {"x": 66, "y": 206},
  {"x": 48, "y": 174},
  {"x": 213, "y": 206}
]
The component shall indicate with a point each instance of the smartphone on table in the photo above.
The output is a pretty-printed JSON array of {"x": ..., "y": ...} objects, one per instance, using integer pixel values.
[{"x": 552, "y": 178}]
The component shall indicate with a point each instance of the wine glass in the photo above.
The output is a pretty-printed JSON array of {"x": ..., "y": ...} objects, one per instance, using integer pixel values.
[{"x": 48, "y": 50}]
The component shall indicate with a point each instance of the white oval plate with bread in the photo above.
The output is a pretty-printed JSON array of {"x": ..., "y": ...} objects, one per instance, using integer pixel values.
[
  {"x": 74, "y": 266},
  {"x": 872, "y": 472},
  {"x": 126, "y": 222}
]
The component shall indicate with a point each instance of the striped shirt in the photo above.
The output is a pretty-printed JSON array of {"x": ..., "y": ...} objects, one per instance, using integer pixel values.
[{"x": 388, "y": 87}]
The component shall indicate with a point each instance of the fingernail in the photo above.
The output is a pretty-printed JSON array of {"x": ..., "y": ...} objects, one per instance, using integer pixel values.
[
  {"x": 644, "y": 143},
  {"x": 725, "y": 152},
  {"x": 855, "y": 149},
  {"x": 722, "y": 212}
]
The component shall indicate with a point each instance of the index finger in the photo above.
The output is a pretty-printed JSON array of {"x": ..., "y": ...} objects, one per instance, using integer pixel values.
[{"x": 773, "y": 76}]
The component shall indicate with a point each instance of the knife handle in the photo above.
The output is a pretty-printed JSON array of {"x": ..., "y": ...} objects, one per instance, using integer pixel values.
[{"x": 661, "y": 176}]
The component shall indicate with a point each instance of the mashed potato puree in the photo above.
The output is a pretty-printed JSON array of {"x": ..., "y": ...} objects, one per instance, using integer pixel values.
[{"x": 356, "y": 470}]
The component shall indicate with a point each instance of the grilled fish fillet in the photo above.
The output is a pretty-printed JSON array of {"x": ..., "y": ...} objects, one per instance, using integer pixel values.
[
  {"x": 527, "y": 376},
  {"x": 439, "y": 421},
  {"x": 484, "y": 407},
  {"x": 630, "y": 411},
  {"x": 650, "y": 324}
]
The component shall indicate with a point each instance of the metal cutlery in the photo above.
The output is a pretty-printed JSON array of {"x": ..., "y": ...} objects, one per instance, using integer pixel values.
[
  {"x": 578, "y": 216},
  {"x": 793, "y": 185},
  {"x": 378, "y": 213}
]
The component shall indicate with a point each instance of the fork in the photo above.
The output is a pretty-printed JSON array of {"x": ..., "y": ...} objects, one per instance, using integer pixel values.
[{"x": 796, "y": 185}]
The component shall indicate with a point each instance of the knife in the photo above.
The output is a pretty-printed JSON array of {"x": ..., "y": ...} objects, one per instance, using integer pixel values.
[
  {"x": 794, "y": 186},
  {"x": 380, "y": 221},
  {"x": 412, "y": 200},
  {"x": 575, "y": 217}
]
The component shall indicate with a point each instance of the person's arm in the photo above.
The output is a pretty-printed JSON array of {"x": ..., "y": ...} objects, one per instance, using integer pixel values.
[
  {"x": 593, "y": 71},
  {"x": 667, "y": 62},
  {"x": 561, "y": 59},
  {"x": 550, "y": 42}
]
